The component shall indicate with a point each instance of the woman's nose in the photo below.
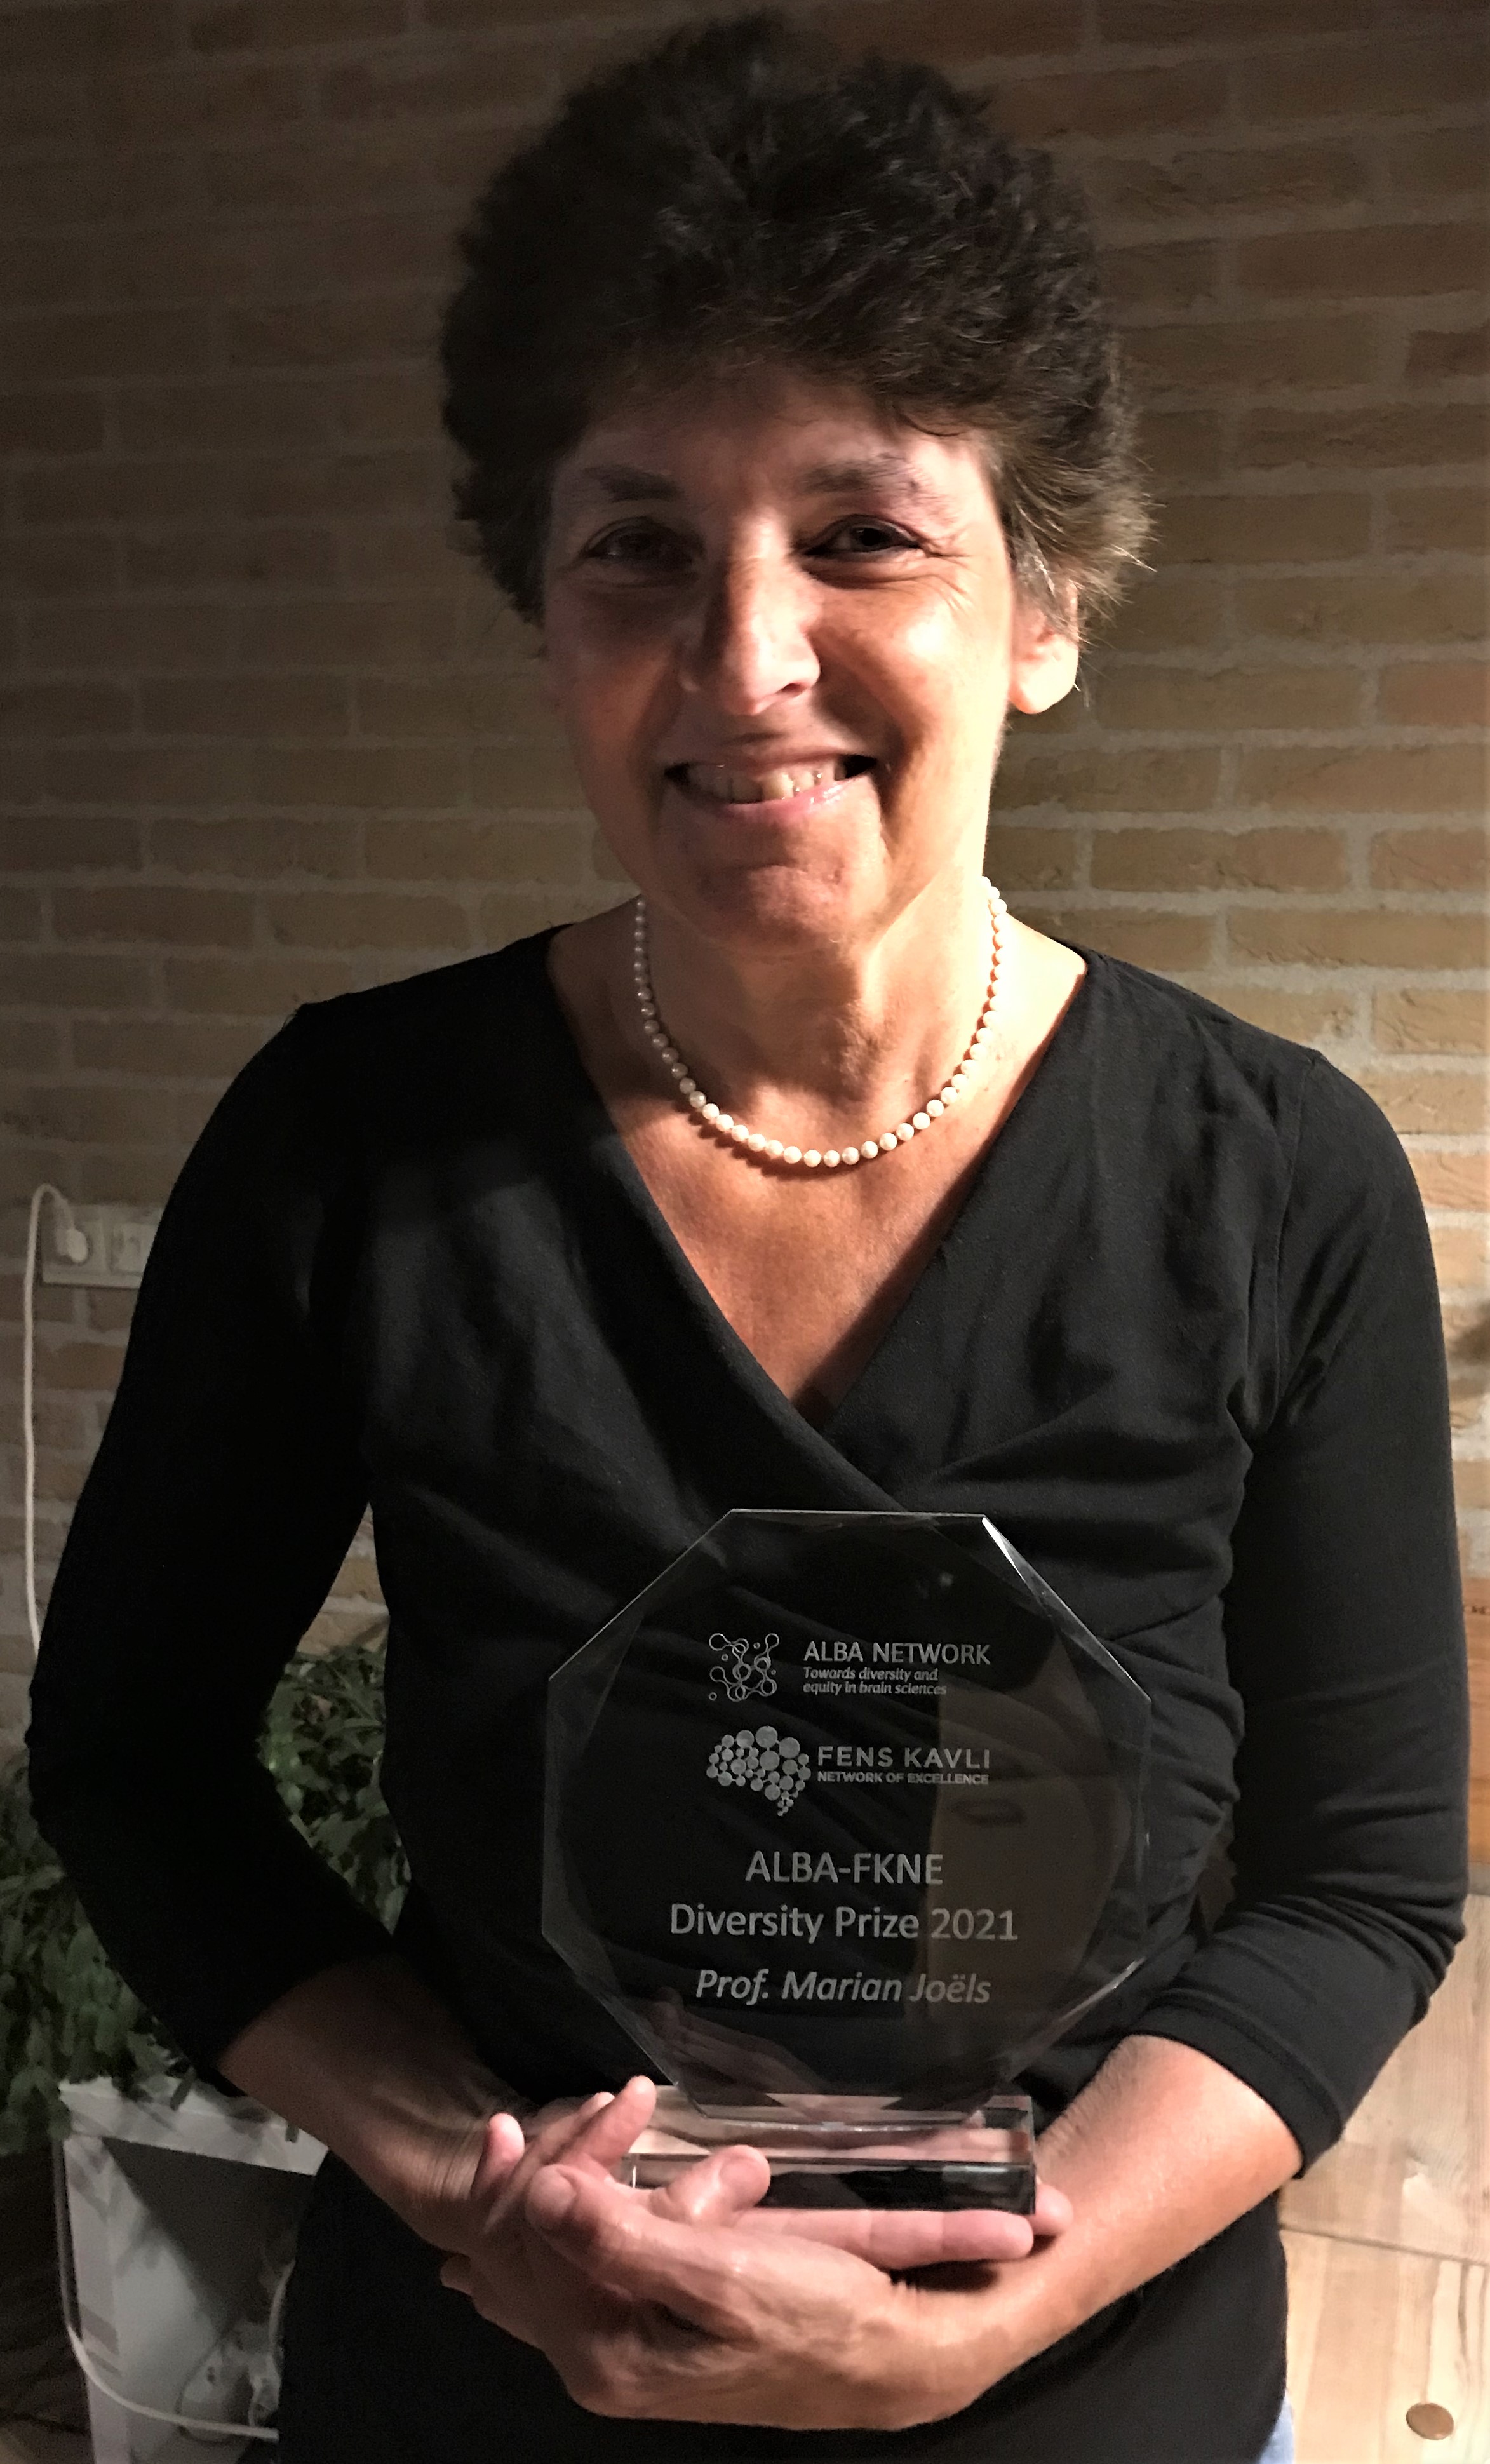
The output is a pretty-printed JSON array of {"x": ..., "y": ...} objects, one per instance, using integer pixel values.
[{"x": 747, "y": 639}]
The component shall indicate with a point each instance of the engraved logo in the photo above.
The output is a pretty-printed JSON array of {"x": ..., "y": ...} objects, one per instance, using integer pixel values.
[
  {"x": 773, "y": 1765},
  {"x": 741, "y": 1668}
]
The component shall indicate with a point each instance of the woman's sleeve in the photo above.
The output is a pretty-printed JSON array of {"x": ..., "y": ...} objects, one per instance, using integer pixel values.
[
  {"x": 221, "y": 1502},
  {"x": 1345, "y": 1636}
]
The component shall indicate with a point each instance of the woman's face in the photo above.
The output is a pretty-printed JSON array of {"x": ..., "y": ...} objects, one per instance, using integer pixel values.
[{"x": 782, "y": 634}]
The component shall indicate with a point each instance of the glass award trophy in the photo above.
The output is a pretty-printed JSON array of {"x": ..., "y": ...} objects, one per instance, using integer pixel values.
[{"x": 843, "y": 1825}]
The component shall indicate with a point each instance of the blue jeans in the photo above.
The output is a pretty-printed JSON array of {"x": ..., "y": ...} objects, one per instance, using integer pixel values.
[{"x": 1280, "y": 2447}]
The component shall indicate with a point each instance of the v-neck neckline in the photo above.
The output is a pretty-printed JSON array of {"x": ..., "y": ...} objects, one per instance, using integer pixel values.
[{"x": 605, "y": 1146}]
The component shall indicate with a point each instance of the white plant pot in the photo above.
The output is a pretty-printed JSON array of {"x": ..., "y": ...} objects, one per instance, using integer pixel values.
[{"x": 170, "y": 2209}]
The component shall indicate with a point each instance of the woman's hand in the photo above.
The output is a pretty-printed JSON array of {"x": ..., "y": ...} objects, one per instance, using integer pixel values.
[{"x": 696, "y": 2303}]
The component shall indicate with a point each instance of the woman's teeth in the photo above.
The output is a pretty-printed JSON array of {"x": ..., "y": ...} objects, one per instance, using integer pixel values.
[{"x": 761, "y": 786}]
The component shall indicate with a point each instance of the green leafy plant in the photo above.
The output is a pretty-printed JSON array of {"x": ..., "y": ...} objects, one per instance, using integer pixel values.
[
  {"x": 65, "y": 2012},
  {"x": 323, "y": 1743}
]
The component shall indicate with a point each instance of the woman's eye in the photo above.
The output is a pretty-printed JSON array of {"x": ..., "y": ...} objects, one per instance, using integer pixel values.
[
  {"x": 639, "y": 547},
  {"x": 864, "y": 539}
]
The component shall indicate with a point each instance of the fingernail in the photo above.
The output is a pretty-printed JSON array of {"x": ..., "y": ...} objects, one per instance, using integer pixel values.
[{"x": 550, "y": 2200}]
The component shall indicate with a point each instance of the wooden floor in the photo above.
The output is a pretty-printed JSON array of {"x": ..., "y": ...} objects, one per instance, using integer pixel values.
[
  {"x": 1389, "y": 2258},
  {"x": 1389, "y": 2250}
]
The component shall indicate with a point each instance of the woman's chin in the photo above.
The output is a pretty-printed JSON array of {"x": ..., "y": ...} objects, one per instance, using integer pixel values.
[
  {"x": 771, "y": 906},
  {"x": 788, "y": 873}
]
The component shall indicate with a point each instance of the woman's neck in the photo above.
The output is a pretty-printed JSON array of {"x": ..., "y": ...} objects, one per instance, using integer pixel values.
[{"x": 833, "y": 1035}]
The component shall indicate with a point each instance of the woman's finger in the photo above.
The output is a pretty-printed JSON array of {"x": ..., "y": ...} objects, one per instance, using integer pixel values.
[
  {"x": 898, "y": 2240},
  {"x": 1053, "y": 2210},
  {"x": 558, "y": 2130},
  {"x": 624, "y": 2244},
  {"x": 717, "y": 2190},
  {"x": 729, "y": 2188},
  {"x": 610, "y": 2130},
  {"x": 558, "y": 2125},
  {"x": 501, "y": 2151}
]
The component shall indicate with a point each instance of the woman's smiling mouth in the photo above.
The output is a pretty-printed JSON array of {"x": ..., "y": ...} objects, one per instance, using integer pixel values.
[{"x": 794, "y": 782}]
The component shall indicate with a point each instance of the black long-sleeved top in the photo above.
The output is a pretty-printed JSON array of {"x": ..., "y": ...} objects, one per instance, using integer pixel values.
[{"x": 1181, "y": 1343}]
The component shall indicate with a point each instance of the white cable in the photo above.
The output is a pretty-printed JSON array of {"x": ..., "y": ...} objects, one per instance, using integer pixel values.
[
  {"x": 277, "y": 2323},
  {"x": 39, "y": 1194},
  {"x": 68, "y": 2287},
  {"x": 199, "y": 2427}
]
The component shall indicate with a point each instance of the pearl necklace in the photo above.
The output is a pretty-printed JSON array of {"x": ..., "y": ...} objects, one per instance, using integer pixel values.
[{"x": 754, "y": 1142}]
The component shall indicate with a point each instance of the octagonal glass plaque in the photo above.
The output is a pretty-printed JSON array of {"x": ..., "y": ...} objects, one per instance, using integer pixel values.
[{"x": 844, "y": 1823}]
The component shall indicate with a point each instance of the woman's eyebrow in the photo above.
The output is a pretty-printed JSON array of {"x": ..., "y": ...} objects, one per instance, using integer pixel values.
[
  {"x": 621, "y": 483},
  {"x": 874, "y": 470}
]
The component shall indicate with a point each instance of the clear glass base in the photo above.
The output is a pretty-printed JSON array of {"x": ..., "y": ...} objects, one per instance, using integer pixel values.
[{"x": 843, "y": 2152}]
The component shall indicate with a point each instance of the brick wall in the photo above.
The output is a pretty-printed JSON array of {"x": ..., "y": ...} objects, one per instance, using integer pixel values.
[{"x": 265, "y": 736}]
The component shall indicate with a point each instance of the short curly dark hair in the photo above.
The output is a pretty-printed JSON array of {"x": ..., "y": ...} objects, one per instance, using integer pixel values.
[{"x": 739, "y": 195}]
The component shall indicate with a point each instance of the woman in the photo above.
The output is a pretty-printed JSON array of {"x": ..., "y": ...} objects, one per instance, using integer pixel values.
[{"x": 789, "y": 413}]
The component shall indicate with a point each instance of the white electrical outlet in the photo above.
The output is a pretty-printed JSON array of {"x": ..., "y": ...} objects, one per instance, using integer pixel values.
[{"x": 105, "y": 1246}]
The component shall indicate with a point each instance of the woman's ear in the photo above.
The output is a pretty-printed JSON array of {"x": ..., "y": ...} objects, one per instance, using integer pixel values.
[{"x": 1044, "y": 655}]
